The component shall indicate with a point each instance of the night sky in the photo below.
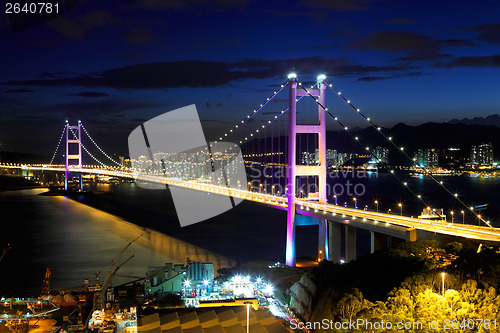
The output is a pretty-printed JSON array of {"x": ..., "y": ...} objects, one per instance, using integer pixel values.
[{"x": 116, "y": 64}]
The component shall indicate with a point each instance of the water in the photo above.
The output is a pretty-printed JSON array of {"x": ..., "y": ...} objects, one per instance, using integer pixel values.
[
  {"x": 384, "y": 188},
  {"x": 76, "y": 240},
  {"x": 77, "y": 237}
]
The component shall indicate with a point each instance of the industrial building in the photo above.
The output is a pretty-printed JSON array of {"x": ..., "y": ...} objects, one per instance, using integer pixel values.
[{"x": 195, "y": 278}]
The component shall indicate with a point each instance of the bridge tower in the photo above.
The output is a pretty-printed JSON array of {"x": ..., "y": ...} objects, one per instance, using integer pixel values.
[
  {"x": 72, "y": 139},
  {"x": 295, "y": 170}
]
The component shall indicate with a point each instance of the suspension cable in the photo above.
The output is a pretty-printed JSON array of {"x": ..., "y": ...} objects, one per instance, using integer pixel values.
[
  {"x": 58, "y": 144},
  {"x": 102, "y": 151},
  {"x": 401, "y": 149},
  {"x": 356, "y": 139},
  {"x": 250, "y": 116}
]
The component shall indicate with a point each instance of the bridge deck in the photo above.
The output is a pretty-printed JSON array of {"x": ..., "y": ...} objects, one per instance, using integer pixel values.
[{"x": 369, "y": 218}]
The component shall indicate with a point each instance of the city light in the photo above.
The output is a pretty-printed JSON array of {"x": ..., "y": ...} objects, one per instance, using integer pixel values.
[{"x": 268, "y": 290}]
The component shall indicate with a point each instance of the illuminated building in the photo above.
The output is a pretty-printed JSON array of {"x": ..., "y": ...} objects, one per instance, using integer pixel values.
[
  {"x": 482, "y": 154},
  {"x": 382, "y": 155},
  {"x": 426, "y": 158},
  {"x": 196, "y": 277}
]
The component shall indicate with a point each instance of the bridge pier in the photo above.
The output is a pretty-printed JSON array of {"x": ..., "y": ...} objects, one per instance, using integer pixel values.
[
  {"x": 323, "y": 249},
  {"x": 411, "y": 235},
  {"x": 377, "y": 241},
  {"x": 335, "y": 230},
  {"x": 350, "y": 243},
  {"x": 334, "y": 241}
]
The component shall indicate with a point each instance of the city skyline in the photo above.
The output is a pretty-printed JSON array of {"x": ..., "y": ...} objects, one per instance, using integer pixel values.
[{"x": 115, "y": 66}]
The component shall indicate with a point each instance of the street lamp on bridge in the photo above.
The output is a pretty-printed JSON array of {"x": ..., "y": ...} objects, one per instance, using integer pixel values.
[
  {"x": 355, "y": 203},
  {"x": 463, "y": 216},
  {"x": 400, "y": 205},
  {"x": 452, "y": 216},
  {"x": 376, "y": 203}
]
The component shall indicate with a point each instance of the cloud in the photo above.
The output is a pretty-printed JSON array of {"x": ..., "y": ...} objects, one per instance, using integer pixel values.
[
  {"x": 417, "y": 47},
  {"x": 198, "y": 73},
  {"x": 395, "y": 41},
  {"x": 400, "y": 20},
  {"x": 481, "y": 61},
  {"x": 19, "y": 91},
  {"x": 488, "y": 33},
  {"x": 372, "y": 78},
  {"x": 90, "y": 94},
  {"x": 316, "y": 47},
  {"x": 341, "y": 5},
  {"x": 457, "y": 43},
  {"x": 426, "y": 57},
  {"x": 209, "y": 105},
  {"x": 391, "y": 76}
]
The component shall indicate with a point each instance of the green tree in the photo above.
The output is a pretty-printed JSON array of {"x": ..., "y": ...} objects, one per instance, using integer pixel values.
[{"x": 351, "y": 304}]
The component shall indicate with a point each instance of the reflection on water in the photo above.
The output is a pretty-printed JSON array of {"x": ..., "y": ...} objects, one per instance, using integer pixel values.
[{"x": 76, "y": 240}]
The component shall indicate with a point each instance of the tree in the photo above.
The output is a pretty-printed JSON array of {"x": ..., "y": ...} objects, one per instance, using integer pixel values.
[
  {"x": 351, "y": 304},
  {"x": 430, "y": 306}
]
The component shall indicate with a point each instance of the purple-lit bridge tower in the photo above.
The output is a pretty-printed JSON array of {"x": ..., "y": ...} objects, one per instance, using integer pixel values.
[
  {"x": 73, "y": 151},
  {"x": 295, "y": 170}
]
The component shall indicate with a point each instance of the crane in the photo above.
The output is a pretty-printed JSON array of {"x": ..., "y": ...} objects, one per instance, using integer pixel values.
[
  {"x": 100, "y": 292},
  {"x": 5, "y": 251}
]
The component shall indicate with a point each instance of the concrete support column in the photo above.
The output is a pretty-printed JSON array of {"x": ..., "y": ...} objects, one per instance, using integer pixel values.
[
  {"x": 334, "y": 241},
  {"x": 323, "y": 240},
  {"x": 411, "y": 235},
  {"x": 350, "y": 243},
  {"x": 377, "y": 241}
]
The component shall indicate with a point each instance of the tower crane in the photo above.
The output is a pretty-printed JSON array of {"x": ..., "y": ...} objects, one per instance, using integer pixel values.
[
  {"x": 2, "y": 253},
  {"x": 100, "y": 291}
]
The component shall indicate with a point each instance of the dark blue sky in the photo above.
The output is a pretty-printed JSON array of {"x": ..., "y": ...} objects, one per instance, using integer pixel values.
[{"x": 116, "y": 64}]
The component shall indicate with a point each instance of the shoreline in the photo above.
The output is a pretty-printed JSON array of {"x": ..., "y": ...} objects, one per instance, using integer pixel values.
[{"x": 243, "y": 239}]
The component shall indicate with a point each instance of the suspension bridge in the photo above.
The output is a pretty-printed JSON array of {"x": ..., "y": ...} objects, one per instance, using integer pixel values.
[{"x": 195, "y": 170}]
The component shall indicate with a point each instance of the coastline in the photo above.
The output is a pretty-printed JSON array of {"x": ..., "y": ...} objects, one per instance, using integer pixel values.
[
  {"x": 259, "y": 230},
  {"x": 15, "y": 183}
]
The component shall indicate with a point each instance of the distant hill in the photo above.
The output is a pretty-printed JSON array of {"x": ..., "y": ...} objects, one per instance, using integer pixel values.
[
  {"x": 493, "y": 120},
  {"x": 435, "y": 135},
  {"x": 14, "y": 157},
  {"x": 428, "y": 135}
]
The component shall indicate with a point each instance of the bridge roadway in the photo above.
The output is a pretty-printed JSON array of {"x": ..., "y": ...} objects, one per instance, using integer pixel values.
[{"x": 389, "y": 224}]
